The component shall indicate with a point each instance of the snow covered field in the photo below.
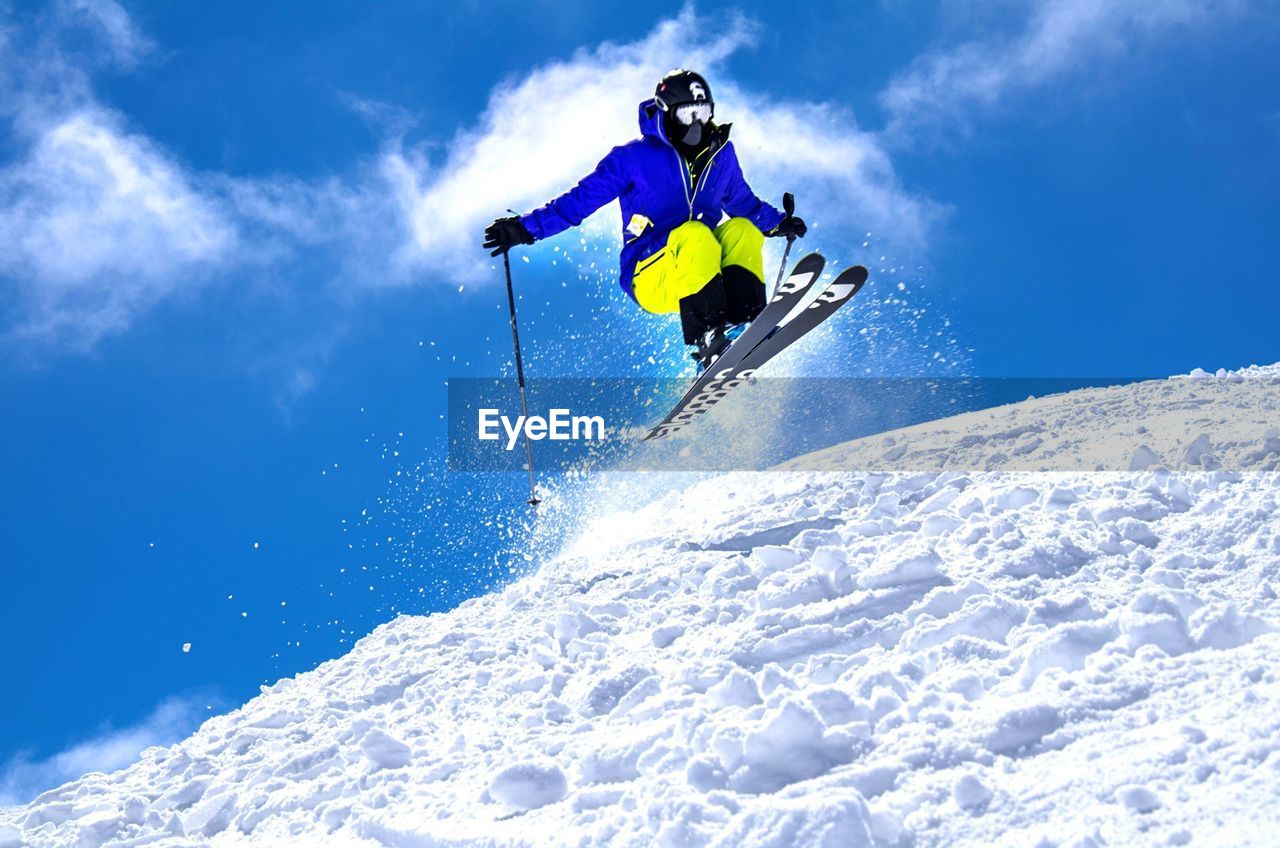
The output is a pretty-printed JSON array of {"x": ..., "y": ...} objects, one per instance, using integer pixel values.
[{"x": 812, "y": 658}]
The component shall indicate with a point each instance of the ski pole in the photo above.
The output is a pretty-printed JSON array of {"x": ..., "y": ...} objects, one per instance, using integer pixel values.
[
  {"x": 524, "y": 404},
  {"x": 789, "y": 207}
]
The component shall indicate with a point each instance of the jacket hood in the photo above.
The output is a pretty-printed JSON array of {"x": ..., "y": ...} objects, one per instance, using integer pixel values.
[{"x": 651, "y": 120}]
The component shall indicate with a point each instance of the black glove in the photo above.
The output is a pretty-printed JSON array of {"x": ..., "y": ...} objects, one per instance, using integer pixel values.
[
  {"x": 791, "y": 227},
  {"x": 504, "y": 234}
]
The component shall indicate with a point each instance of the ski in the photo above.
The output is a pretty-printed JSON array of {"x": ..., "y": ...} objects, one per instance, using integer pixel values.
[
  {"x": 725, "y": 375},
  {"x": 779, "y": 308},
  {"x": 841, "y": 290},
  {"x": 789, "y": 295}
]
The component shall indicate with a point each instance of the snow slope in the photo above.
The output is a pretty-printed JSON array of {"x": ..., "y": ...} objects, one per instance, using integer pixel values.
[{"x": 811, "y": 658}]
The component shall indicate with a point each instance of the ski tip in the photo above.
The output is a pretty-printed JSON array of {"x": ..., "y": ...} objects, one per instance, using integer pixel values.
[{"x": 808, "y": 261}]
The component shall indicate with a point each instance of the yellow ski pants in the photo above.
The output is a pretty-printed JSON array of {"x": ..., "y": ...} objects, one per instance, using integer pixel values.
[{"x": 693, "y": 255}]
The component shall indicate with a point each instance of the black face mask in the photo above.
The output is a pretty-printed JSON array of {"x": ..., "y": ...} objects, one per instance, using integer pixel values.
[
  {"x": 684, "y": 136},
  {"x": 692, "y": 134}
]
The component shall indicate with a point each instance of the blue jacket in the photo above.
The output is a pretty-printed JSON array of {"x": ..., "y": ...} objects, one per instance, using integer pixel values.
[{"x": 652, "y": 180}]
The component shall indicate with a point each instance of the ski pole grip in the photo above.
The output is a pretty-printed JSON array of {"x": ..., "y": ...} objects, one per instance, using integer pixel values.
[{"x": 788, "y": 203}]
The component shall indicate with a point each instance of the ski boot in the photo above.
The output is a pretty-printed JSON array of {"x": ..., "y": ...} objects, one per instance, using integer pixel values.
[{"x": 709, "y": 347}]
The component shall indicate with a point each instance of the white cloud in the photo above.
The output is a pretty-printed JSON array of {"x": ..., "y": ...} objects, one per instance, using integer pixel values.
[
  {"x": 842, "y": 176},
  {"x": 21, "y": 779},
  {"x": 944, "y": 88},
  {"x": 97, "y": 223},
  {"x": 538, "y": 135},
  {"x": 119, "y": 33}
]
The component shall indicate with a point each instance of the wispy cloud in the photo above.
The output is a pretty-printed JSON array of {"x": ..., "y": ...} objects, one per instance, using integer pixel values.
[
  {"x": 944, "y": 89},
  {"x": 22, "y": 779},
  {"x": 119, "y": 34},
  {"x": 98, "y": 224}
]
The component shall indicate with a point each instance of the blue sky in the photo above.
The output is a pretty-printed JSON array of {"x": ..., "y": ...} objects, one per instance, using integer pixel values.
[{"x": 239, "y": 259}]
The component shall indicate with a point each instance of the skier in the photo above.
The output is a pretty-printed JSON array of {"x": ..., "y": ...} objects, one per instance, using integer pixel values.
[{"x": 676, "y": 182}]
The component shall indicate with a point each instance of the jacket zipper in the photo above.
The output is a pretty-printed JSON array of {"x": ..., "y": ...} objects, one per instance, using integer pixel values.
[
  {"x": 681, "y": 167},
  {"x": 685, "y": 177},
  {"x": 703, "y": 179},
  {"x": 686, "y": 173}
]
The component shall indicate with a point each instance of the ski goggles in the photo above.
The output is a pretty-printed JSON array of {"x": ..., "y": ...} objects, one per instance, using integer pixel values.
[{"x": 690, "y": 112}]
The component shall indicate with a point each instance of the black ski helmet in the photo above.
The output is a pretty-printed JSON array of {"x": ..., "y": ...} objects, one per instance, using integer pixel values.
[
  {"x": 679, "y": 87},
  {"x": 685, "y": 98}
]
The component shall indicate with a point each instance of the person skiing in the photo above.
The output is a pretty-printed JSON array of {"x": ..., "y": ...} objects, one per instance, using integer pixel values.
[{"x": 675, "y": 183}]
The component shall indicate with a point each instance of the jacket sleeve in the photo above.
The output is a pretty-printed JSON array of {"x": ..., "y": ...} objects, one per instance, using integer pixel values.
[
  {"x": 741, "y": 202},
  {"x": 597, "y": 188}
]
